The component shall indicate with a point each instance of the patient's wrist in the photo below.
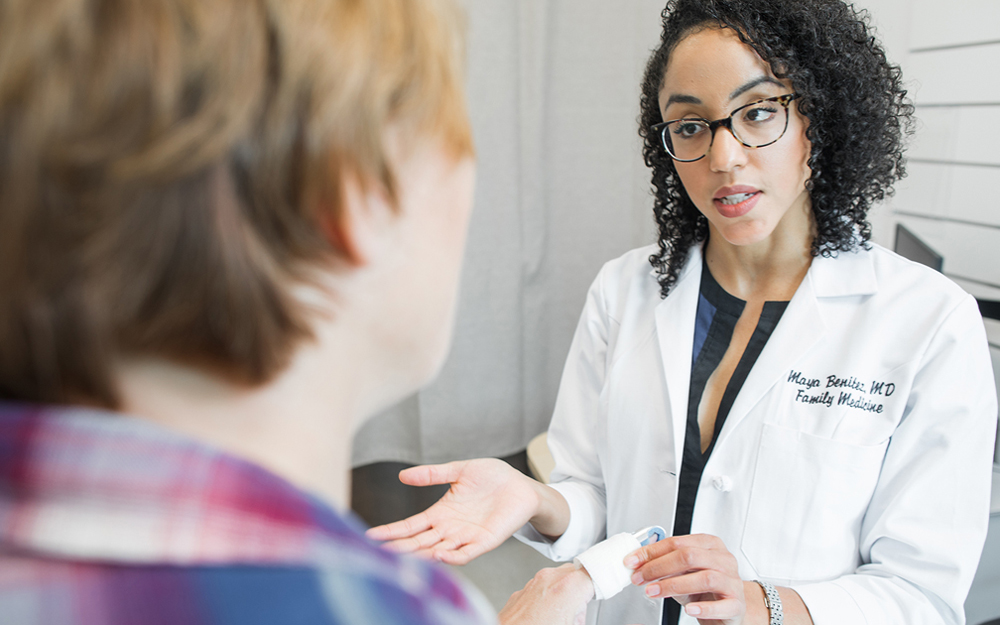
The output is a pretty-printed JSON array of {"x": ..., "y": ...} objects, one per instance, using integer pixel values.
[{"x": 583, "y": 577}]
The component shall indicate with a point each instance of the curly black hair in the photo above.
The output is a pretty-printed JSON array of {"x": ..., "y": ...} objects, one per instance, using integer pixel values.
[{"x": 853, "y": 97}]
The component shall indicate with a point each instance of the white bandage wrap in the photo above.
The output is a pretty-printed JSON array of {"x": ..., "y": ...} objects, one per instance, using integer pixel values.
[{"x": 605, "y": 564}]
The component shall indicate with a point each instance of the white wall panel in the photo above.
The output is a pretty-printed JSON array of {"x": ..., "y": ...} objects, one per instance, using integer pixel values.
[
  {"x": 981, "y": 291},
  {"x": 967, "y": 21},
  {"x": 891, "y": 19},
  {"x": 965, "y": 248},
  {"x": 961, "y": 192},
  {"x": 924, "y": 190},
  {"x": 965, "y": 134},
  {"x": 961, "y": 75}
]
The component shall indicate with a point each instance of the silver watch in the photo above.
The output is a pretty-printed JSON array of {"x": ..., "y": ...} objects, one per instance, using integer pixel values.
[{"x": 773, "y": 602}]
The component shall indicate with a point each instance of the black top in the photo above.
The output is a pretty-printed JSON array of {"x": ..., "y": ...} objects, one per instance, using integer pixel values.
[{"x": 718, "y": 312}]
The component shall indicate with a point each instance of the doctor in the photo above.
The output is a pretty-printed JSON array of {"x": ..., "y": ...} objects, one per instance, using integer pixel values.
[{"x": 811, "y": 414}]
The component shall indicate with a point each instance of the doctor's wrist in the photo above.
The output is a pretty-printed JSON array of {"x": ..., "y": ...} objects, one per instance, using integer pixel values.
[
  {"x": 793, "y": 609},
  {"x": 551, "y": 517},
  {"x": 757, "y": 612}
]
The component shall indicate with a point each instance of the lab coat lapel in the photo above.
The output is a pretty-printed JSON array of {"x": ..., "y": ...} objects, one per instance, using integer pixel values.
[
  {"x": 675, "y": 318},
  {"x": 801, "y": 327}
]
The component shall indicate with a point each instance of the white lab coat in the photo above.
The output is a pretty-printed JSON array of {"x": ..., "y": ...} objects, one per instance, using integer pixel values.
[{"x": 873, "y": 507}]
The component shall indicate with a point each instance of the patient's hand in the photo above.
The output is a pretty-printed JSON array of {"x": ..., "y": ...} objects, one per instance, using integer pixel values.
[
  {"x": 555, "y": 596},
  {"x": 488, "y": 501}
]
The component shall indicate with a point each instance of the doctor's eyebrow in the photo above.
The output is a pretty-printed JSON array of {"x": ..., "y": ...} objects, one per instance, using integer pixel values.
[
  {"x": 753, "y": 83},
  {"x": 680, "y": 98},
  {"x": 683, "y": 98}
]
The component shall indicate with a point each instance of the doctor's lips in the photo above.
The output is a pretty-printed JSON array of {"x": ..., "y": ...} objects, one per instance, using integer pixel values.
[{"x": 735, "y": 201}]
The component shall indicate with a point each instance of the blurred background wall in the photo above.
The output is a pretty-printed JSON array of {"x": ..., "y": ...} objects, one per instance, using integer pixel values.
[{"x": 554, "y": 91}]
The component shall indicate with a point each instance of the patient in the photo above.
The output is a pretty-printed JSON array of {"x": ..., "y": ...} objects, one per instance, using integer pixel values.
[{"x": 229, "y": 231}]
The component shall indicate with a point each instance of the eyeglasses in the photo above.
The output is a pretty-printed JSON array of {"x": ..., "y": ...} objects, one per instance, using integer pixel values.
[{"x": 755, "y": 125}]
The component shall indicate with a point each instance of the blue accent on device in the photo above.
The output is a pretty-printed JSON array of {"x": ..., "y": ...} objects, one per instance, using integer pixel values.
[{"x": 650, "y": 535}]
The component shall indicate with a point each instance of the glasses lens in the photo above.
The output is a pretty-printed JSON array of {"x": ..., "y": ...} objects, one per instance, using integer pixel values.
[
  {"x": 755, "y": 125},
  {"x": 687, "y": 139},
  {"x": 760, "y": 124}
]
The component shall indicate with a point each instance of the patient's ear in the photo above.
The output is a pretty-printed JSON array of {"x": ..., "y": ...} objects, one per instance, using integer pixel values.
[{"x": 363, "y": 227}]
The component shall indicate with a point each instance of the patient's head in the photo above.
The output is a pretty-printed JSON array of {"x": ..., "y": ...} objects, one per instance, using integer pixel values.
[{"x": 175, "y": 174}]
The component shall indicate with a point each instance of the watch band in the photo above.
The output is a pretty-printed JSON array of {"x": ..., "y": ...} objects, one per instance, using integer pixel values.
[{"x": 773, "y": 602}]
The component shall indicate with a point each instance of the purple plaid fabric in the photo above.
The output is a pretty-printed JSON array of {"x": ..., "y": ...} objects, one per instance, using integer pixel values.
[{"x": 109, "y": 520}]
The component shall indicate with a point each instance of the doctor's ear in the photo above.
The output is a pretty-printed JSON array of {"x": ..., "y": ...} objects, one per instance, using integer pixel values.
[{"x": 363, "y": 227}]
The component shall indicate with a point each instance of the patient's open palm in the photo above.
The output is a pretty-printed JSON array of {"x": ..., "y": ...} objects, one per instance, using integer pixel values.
[{"x": 488, "y": 501}]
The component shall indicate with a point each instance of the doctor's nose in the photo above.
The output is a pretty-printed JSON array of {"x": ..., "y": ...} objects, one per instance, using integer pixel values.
[{"x": 726, "y": 152}]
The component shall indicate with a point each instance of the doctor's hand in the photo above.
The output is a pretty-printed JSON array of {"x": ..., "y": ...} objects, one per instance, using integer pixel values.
[
  {"x": 555, "y": 596},
  {"x": 488, "y": 501},
  {"x": 698, "y": 571}
]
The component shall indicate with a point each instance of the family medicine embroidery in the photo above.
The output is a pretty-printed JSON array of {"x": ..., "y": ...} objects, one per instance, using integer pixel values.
[{"x": 854, "y": 394}]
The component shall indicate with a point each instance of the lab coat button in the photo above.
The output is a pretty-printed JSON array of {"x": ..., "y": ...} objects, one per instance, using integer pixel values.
[{"x": 722, "y": 483}]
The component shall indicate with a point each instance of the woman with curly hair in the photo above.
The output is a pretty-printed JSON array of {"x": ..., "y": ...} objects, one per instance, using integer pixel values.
[{"x": 811, "y": 415}]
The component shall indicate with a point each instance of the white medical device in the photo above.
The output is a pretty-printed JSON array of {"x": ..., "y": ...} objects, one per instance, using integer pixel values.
[{"x": 605, "y": 560}]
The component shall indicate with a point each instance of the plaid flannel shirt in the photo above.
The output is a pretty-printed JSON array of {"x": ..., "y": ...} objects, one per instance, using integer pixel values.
[{"x": 110, "y": 520}]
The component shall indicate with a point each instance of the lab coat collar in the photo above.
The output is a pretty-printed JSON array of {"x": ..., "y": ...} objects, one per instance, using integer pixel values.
[{"x": 848, "y": 273}]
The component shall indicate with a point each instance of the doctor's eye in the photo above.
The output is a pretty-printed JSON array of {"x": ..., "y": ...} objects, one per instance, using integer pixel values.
[
  {"x": 759, "y": 114},
  {"x": 688, "y": 128}
]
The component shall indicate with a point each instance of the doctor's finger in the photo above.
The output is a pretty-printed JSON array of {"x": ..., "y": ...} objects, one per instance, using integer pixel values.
[
  {"x": 423, "y": 540},
  {"x": 674, "y": 543},
  {"x": 463, "y": 555},
  {"x": 720, "y": 584},
  {"x": 685, "y": 560},
  {"x": 433, "y": 552},
  {"x": 431, "y": 474},
  {"x": 716, "y": 610},
  {"x": 407, "y": 528}
]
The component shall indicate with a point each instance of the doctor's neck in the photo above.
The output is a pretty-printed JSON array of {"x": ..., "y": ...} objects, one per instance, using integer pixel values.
[{"x": 771, "y": 268}]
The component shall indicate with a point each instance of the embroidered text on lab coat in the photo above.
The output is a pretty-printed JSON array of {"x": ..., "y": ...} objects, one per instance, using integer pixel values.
[{"x": 840, "y": 391}]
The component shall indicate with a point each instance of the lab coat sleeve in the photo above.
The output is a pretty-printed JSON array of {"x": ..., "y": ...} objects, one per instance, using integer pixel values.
[
  {"x": 924, "y": 530},
  {"x": 573, "y": 433}
]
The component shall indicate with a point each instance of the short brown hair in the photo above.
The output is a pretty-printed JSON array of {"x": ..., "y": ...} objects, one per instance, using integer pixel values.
[{"x": 156, "y": 157}]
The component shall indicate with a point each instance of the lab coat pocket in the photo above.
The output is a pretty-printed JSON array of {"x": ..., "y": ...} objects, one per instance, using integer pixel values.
[{"x": 807, "y": 502}]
